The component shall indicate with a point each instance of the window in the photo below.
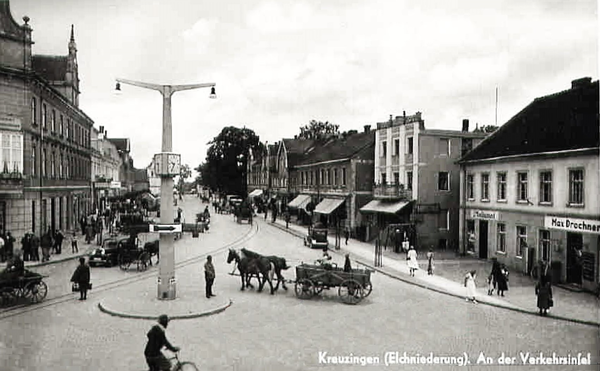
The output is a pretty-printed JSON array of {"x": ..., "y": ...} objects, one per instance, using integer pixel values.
[
  {"x": 470, "y": 186},
  {"x": 328, "y": 176},
  {"x": 44, "y": 162},
  {"x": 383, "y": 149},
  {"x": 44, "y": 115},
  {"x": 335, "y": 176},
  {"x": 396, "y": 147},
  {"x": 576, "y": 187},
  {"x": 546, "y": 187},
  {"x": 12, "y": 153},
  {"x": 443, "y": 181},
  {"x": 68, "y": 167},
  {"x": 409, "y": 145},
  {"x": 53, "y": 165},
  {"x": 383, "y": 178},
  {"x": 501, "y": 247},
  {"x": 396, "y": 177},
  {"x": 343, "y": 176},
  {"x": 68, "y": 134},
  {"x": 53, "y": 121},
  {"x": 501, "y": 186},
  {"x": 444, "y": 219},
  {"x": 545, "y": 244},
  {"x": 322, "y": 176},
  {"x": 62, "y": 125},
  {"x": 471, "y": 238},
  {"x": 522, "y": 186},
  {"x": 444, "y": 146},
  {"x": 33, "y": 160},
  {"x": 409, "y": 180},
  {"x": 521, "y": 239},
  {"x": 485, "y": 187},
  {"x": 33, "y": 111}
]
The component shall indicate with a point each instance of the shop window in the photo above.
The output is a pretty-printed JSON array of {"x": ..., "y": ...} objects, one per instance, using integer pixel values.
[{"x": 471, "y": 239}]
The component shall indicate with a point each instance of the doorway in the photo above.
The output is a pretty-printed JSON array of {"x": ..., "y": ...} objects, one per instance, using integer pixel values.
[
  {"x": 574, "y": 246},
  {"x": 483, "y": 239}
]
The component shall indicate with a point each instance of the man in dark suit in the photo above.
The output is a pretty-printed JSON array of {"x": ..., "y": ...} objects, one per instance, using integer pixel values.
[{"x": 157, "y": 339}]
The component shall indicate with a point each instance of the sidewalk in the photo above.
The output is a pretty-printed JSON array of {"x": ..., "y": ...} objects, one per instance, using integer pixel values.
[
  {"x": 448, "y": 277},
  {"x": 66, "y": 253}
]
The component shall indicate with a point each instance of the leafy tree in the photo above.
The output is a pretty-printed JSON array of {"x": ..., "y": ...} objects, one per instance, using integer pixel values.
[
  {"x": 226, "y": 160},
  {"x": 318, "y": 130},
  {"x": 485, "y": 129},
  {"x": 184, "y": 173}
]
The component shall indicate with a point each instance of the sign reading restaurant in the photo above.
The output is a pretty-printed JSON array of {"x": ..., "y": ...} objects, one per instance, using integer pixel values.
[
  {"x": 572, "y": 224},
  {"x": 481, "y": 214}
]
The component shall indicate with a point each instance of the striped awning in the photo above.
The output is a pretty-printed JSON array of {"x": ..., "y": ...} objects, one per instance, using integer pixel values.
[
  {"x": 378, "y": 206},
  {"x": 328, "y": 205},
  {"x": 300, "y": 201}
]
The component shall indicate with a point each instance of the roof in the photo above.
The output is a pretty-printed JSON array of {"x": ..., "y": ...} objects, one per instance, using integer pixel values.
[
  {"x": 50, "y": 67},
  {"x": 296, "y": 148},
  {"x": 340, "y": 148},
  {"x": 564, "y": 121},
  {"x": 122, "y": 144}
]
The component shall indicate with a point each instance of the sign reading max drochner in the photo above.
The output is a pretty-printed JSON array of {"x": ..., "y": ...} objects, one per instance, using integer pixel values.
[
  {"x": 481, "y": 214},
  {"x": 572, "y": 224}
]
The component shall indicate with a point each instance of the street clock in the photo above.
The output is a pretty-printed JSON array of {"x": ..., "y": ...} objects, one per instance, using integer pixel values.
[{"x": 167, "y": 164}]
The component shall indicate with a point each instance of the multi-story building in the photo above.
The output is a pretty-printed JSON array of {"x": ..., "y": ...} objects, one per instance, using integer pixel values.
[
  {"x": 126, "y": 169},
  {"x": 261, "y": 167},
  {"x": 290, "y": 152},
  {"x": 45, "y": 157},
  {"x": 417, "y": 182},
  {"x": 105, "y": 168},
  {"x": 531, "y": 190},
  {"x": 153, "y": 179},
  {"x": 337, "y": 174}
]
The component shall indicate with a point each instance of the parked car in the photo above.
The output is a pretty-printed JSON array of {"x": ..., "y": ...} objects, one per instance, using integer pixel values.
[{"x": 107, "y": 255}]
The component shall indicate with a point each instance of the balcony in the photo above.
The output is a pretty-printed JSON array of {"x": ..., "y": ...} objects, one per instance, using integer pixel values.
[
  {"x": 391, "y": 192},
  {"x": 11, "y": 181}
]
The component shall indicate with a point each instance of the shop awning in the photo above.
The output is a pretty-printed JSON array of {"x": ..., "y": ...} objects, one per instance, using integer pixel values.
[
  {"x": 328, "y": 205},
  {"x": 255, "y": 193},
  {"x": 378, "y": 206},
  {"x": 300, "y": 201}
]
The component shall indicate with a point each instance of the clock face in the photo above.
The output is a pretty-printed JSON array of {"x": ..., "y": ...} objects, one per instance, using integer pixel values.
[{"x": 173, "y": 164}]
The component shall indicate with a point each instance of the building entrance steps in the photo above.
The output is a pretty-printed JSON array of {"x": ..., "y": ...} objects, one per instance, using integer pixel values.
[{"x": 449, "y": 273}]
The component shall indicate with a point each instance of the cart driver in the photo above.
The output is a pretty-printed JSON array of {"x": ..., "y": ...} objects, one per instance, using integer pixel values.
[{"x": 324, "y": 261}]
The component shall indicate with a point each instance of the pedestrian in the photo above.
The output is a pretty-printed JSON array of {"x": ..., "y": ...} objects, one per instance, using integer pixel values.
[
  {"x": 46, "y": 243},
  {"x": 346, "y": 234},
  {"x": 397, "y": 240},
  {"x": 89, "y": 231},
  {"x": 81, "y": 277},
  {"x": 470, "y": 285},
  {"x": 58, "y": 240},
  {"x": 35, "y": 247},
  {"x": 26, "y": 246},
  {"x": 83, "y": 224},
  {"x": 491, "y": 284},
  {"x": 9, "y": 244},
  {"x": 287, "y": 219},
  {"x": 157, "y": 339},
  {"x": 430, "y": 262},
  {"x": 500, "y": 278},
  {"x": 413, "y": 264},
  {"x": 543, "y": 290},
  {"x": 209, "y": 276},
  {"x": 347, "y": 264},
  {"x": 74, "y": 247}
]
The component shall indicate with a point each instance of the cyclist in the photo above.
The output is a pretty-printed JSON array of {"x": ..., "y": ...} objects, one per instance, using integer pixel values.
[{"x": 157, "y": 339}]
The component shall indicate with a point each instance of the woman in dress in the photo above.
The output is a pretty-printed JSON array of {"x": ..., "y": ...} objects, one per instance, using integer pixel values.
[
  {"x": 82, "y": 277},
  {"x": 470, "y": 285},
  {"x": 413, "y": 264},
  {"x": 543, "y": 290}
]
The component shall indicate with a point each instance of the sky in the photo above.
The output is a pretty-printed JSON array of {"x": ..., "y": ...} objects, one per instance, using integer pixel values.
[{"x": 278, "y": 64}]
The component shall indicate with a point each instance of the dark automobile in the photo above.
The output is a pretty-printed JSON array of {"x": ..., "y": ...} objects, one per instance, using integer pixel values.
[{"x": 108, "y": 254}]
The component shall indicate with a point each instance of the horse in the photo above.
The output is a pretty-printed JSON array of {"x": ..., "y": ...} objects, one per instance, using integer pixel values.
[
  {"x": 264, "y": 266},
  {"x": 249, "y": 267},
  {"x": 279, "y": 264}
]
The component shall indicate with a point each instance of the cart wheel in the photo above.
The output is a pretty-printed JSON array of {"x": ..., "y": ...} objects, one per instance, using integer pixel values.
[
  {"x": 367, "y": 288},
  {"x": 36, "y": 291},
  {"x": 305, "y": 289},
  {"x": 124, "y": 262},
  {"x": 351, "y": 292},
  {"x": 7, "y": 297},
  {"x": 142, "y": 263}
]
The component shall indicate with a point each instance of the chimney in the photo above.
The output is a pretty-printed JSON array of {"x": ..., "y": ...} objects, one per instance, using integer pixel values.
[
  {"x": 106, "y": 134},
  {"x": 465, "y": 126},
  {"x": 367, "y": 128},
  {"x": 580, "y": 83}
]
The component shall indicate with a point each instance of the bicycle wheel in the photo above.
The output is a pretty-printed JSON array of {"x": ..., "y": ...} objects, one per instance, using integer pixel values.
[{"x": 186, "y": 366}]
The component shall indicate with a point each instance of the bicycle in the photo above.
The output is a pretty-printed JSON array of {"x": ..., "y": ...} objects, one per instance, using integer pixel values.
[{"x": 177, "y": 365}]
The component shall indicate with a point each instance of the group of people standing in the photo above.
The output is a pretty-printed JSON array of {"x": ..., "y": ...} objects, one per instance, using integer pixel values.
[{"x": 50, "y": 242}]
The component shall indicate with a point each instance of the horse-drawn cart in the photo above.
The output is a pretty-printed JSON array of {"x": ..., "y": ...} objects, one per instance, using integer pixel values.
[
  {"x": 26, "y": 285},
  {"x": 353, "y": 286}
]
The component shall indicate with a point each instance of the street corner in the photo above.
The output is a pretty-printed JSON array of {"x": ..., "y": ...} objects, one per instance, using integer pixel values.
[{"x": 151, "y": 308}]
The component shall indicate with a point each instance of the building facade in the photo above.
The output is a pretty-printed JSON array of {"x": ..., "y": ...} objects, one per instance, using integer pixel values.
[
  {"x": 531, "y": 191},
  {"x": 105, "y": 169},
  {"x": 46, "y": 149},
  {"x": 417, "y": 182}
]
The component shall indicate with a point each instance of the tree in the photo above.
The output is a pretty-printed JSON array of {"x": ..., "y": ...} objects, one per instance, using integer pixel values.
[
  {"x": 485, "y": 129},
  {"x": 184, "y": 173},
  {"x": 225, "y": 167},
  {"x": 318, "y": 130}
]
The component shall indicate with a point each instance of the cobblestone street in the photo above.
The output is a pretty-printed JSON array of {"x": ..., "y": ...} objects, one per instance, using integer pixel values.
[{"x": 281, "y": 332}]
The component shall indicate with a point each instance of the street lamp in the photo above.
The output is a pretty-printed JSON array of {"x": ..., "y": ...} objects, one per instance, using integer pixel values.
[{"x": 167, "y": 164}]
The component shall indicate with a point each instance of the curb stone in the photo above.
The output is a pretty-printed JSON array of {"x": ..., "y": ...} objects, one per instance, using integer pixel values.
[
  {"x": 442, "y": 291},
  {"x": 114, "y": 313}
]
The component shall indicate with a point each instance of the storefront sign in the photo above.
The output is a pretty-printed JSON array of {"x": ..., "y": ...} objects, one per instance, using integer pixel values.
[
  {"x": 572, "y": 224},
  {"x": 481, "y": 214},
  {"x": 114, "y": 184}
]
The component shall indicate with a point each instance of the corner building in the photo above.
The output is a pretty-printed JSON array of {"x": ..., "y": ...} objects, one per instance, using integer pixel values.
[
  {"x": 531, "y": 190},
  {"x": 45, "y": 137}
]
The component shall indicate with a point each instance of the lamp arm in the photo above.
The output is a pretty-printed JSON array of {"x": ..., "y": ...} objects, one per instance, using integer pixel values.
[
  {"x": 175, "y": 88},
  {"x": 141, "y": 84}
]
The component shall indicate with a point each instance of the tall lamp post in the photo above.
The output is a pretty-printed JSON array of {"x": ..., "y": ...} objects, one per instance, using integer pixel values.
[{"x": 167, "y": 165}]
